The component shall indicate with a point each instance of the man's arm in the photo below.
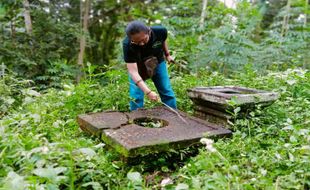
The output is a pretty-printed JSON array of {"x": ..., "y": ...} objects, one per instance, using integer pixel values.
[
  {"x": 165, "y": 47},
  {"x": 133, "y": 71},
  {"x": 166, "y": 52}
]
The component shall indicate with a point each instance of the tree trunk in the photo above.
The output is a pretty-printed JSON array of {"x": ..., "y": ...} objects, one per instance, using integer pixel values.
[
  {"x": 307, "y": 57},
  {"x": 13, "y": 31},
  {"x": 27, "y": 17},
  {"x": 203, "y": 16},
  {"x": 286, "y": 18},
  {"x": 84, "y": 21},
  {"x": 2, "y": 70},
  {"x": 306, "y": 11}
]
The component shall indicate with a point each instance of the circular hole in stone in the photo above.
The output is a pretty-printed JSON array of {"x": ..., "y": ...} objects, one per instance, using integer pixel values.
[{"x": 150, "y": 122}]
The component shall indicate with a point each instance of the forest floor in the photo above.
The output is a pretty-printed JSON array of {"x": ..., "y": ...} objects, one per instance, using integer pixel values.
[{"x": 42, "y": 146}]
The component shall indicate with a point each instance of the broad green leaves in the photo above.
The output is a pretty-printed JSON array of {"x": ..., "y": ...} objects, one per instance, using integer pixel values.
[{"x": 50, "y": 173}]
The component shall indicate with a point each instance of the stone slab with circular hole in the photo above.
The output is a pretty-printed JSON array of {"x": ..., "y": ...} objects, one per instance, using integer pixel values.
[{"x": 131, "y": 138}]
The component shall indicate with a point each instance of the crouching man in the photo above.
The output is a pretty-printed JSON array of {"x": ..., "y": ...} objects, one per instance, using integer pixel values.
[{"x": 144, "y": 49}]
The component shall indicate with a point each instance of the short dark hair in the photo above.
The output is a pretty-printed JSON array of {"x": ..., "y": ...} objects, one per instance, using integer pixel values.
[{"x": 135, "y": 27}]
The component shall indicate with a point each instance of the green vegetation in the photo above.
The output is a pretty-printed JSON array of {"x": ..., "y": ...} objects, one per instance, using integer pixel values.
[
  {"x": 263, "y": 45},
  {"x": 150, "y": 122},
  {"x": 269, "y": 149}
]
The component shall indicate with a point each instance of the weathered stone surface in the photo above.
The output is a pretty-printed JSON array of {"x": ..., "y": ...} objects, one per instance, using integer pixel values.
[
  {"x": 213, "y": 112},
  {"x": 212, "y": 115},
  {"x": 131, "y": 139},
  {"x": 94, "y": 123},
  {"x": 217, "y": 97},
  {"x": 211, "y": 103}
]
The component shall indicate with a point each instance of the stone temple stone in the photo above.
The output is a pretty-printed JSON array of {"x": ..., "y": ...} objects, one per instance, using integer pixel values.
[
  {"x": 131, "y": 138},
  {"x": 212, "y": 103},
  {"x": 94, "y": 123}
]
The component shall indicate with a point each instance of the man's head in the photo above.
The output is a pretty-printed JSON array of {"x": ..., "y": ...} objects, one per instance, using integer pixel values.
[{"x": 138, "y": 33}]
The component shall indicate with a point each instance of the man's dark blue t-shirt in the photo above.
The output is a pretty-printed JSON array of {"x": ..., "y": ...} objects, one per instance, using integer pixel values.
[{"x": 136, "y": 54}]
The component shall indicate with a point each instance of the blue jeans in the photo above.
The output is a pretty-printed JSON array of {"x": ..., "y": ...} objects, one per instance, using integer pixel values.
[{"x": 162, "y": 84}]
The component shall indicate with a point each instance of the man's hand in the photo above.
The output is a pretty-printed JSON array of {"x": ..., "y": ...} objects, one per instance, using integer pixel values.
[
  {"x": 170, "y": 59},
  {"x": 153, "y": 96}
]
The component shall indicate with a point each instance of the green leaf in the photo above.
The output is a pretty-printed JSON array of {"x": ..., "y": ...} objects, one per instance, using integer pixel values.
[
  {"x": 14, "y": 181},
  {"x": 134, "y": 177},
  {"x": 88, "y": 152},
  {"x": 94, "y": 185},
  {"x": 182, "y": 186},
  {"x": 49, "y": 173},
  {"x": 237, "y": 110}
]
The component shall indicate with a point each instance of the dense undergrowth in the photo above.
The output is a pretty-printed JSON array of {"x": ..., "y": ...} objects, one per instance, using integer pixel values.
[{"x": 42, "y": 147}]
